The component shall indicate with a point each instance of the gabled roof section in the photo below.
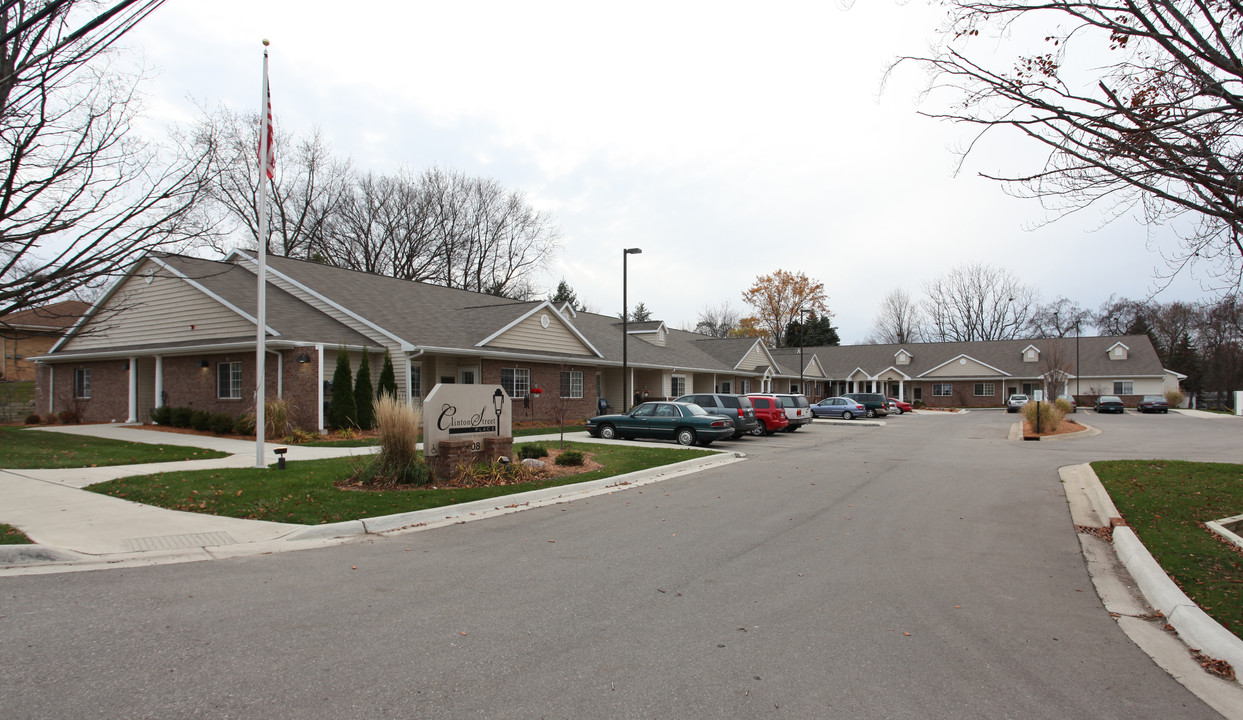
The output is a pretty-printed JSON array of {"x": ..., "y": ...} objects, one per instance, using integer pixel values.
[
  {"x": 962, "y": 359},
  {"x": 47, "y": 318},
  {"x": 540, "y": 328},
  {"x": 567, "y": 309},
  {"x": 647, "y": 326},
  {"x": 896, "y": 370}
]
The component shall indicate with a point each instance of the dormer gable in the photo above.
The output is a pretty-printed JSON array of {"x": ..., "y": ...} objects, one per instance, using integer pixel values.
[
  {"x": 654, "y": 332},
  {"x": 1031, "y": 354},
  {"x": 1119, "y": 351},
  {"x": 567, "y": 310},
  {"x": 902, "y": 357}
]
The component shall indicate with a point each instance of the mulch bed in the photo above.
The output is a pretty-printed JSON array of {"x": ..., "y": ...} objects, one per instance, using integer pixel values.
[
  {"x": 1067, "y": 427},
  {"x": 519, "y": 475}
]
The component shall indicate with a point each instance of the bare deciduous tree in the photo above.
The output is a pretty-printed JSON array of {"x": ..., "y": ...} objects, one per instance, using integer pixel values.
[
  {"x": 1056, "y": 365},
  {"x": 1151, "y": 116},
  {"x": 716, "y": 320},
  {"x": 977, "y": 302},
  {"x": 899, "y": 320},
  {"x": 81, "y": 195},
  {"x": 305, "y": 192},
  {"x": 1060, "y": 318}
]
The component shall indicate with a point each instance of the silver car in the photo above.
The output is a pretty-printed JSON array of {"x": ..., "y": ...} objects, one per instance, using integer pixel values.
[{"x": 1016, "y": 403}]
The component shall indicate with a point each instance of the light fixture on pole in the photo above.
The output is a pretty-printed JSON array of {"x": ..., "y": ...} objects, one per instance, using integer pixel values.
[{"x": 626, "y": 331}]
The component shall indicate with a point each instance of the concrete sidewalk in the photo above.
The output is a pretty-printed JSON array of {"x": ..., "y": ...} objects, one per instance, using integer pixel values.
[{"x": 79, "y": 530}]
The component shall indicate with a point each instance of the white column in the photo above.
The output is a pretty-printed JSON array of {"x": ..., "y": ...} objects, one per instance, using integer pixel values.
[
  {"x": 159, "y": 381},
  {"x": 902, "y": 390},
  {"x": 133, "y": 390},
  {"x": 319, "y": 386}
]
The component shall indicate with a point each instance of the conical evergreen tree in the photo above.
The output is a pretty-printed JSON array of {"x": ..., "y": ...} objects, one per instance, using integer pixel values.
[
  {"x": 342, "y": 411},
  {"x": 363, "y": 393},
  {"x": 388, "y": 379}
]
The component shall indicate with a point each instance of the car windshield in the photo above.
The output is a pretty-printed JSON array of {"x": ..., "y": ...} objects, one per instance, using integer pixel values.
[
  {"x": 694, "y": 409},
  {"x": 1153, "y": 398},
  {"x": 802, "y": 401},
  {"x": 1110, "y": 399}
]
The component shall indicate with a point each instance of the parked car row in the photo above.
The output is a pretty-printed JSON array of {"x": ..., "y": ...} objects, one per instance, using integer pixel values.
[{"x": 704, "y": 418}]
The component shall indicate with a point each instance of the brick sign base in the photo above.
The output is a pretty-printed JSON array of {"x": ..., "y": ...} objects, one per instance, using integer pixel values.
[{"x": 456, "y": 453}]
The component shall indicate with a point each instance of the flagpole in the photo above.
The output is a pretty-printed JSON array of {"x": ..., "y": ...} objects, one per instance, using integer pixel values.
[{"x": 265, "y": 113}]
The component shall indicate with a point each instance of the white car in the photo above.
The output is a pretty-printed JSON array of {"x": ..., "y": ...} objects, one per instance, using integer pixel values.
[{"x": 1016, "y": 403}]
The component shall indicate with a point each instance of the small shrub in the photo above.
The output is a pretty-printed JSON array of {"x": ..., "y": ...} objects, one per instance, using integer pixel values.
[
  {"x": 51, "y": 419},
  {"x": 181, "y": 417},
  {"x": 33, "y": 419},
  {"x": 919, "y": 405},
  {"x": 532, "y": 450},
  {"x": 398, "y": 462},
  {"x": 570, "y": 457},
  {"x": 1063, "y": 405},
  {"x": 69, "y": 417},
  {"x": 1174, "y": 398},
  {"x": 200, "y": 420},
  {"x": 222, "y": 423},
  {"x": 162, "y": 415},
  {"x": 299, "y": 436},
  {"x": 347, "y": 433},
  {"x": 245, "y": 424},
  {"x": 1050, "y": 416}
]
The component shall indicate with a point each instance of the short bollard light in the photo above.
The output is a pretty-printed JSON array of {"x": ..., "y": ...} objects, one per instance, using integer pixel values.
[{"x": 280, "y": 457}]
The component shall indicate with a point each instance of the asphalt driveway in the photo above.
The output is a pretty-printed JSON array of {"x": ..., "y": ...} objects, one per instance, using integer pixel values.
[{"x": 925, "y": 569}]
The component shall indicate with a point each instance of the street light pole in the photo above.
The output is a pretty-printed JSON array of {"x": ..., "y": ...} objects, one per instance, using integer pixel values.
[
  {"x": 802, "y": 340},
  {"x": 626, "y": 331}
]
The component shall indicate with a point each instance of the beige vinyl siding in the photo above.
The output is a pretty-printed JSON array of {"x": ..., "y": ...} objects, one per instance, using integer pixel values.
[
  {"x": 754, "y": 359},
  {"x": 651, "y": 338},
  {"x": 531, "y": 335},
  {"x": 163, "y": 310},
  {"x": 955, "y": 368}
]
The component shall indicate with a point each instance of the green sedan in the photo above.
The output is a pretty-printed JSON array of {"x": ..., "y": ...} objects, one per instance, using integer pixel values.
[{"x": 685, "y": 422}]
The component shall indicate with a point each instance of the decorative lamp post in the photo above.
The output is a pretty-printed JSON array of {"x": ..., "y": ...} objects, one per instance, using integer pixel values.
[
  {"x": 498, "y": 403},
  {"x": 626, "y": 331}
]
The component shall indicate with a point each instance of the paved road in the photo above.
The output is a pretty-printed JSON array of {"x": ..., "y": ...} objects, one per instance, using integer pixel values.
[{"x": 926, "y": 569}]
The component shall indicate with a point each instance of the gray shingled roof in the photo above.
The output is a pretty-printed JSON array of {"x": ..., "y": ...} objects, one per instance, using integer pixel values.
[
  {"x": 286, "y": 314},
  {"x": 1005, "y": 355}
]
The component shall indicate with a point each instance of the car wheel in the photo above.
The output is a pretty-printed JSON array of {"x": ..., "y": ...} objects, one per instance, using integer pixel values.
[
  {"x": 847, "y": 415},
  {"x": 686, "y": 436},
  {"x": 705, "y": 443},
  {"x": 871, "y": 413},
  {"x": 759, "y": 429},
  {"x": 897, "y": 411},
  {"x": 1165, "y": 412},
  {"x": 608, "y": 432},
  {"x": 793, "y": 428}
]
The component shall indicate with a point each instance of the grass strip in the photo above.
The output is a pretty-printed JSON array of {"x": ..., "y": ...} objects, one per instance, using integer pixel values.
[
  {"x": 22, "y": 448},
  {"x": 10, "y": 535},
  {"x": 1167, "y": 503},
  {"x": 305, "y": 492},
  {"x": 373, "y": 441}
]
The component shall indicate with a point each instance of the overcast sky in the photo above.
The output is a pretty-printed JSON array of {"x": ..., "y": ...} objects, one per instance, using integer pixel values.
[{"x": 725, "y": 139}]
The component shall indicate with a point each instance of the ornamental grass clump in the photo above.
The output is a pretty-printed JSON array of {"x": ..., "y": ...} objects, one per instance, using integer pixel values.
[
  {"x": 398, "y": 462},
  {"x": 1050, "y": 416}
]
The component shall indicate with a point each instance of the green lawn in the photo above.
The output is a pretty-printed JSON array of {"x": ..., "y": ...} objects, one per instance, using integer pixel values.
[
  {"x": 10, "y": 535},
  {"x": 22, "y": 448},
  {"x": 305, "y": 493},
  {"x": 1167, "y": 503}
]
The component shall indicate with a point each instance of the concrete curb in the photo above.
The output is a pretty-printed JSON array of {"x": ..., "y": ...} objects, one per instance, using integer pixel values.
[
  {"x": 480, "y": 509},
  {"x": 1016, "y": 433},
  {"x": 1192, "y": 624},
  {"x": 36, "y": 554}
]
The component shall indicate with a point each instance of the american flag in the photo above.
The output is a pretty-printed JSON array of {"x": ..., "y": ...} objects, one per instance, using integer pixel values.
[{"x": 267, "y": 126}]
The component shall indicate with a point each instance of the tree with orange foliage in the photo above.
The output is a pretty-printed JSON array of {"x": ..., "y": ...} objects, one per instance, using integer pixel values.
[
  {"x": 777, "y": 300},
  {"x": 749, "y": 327}
]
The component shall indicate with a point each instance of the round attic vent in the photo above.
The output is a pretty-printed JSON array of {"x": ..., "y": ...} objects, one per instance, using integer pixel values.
[{"x": 543, "y": 321}]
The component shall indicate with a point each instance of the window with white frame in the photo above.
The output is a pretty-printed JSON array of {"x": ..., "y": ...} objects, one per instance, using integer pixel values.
[
  {"x": 82, "y": 383},
  {"x": 725, "y": 386},
  {"x": 1124, "y": 387},
  {"x": 229, "y": 381},
  {"x": 516, "y": 381},
  {"x": 745, "y": 384},
  {"x": 416, "y": 381},
  {"x": 572, "y": 384},
  {"x": 942, "y": 389},
  {"x": 677, "y": 385},
  {"x": 985, "y": 389}
]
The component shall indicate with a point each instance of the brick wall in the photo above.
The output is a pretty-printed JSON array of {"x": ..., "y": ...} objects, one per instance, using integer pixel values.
[
  {"x": 186, "y": 384},
  {"x": 547, "y": 406}
]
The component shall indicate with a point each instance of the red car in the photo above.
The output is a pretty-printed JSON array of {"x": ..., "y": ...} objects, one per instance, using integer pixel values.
[
  {"x": 900, "y": 406},
  {"x": 770, "y": 413}
]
